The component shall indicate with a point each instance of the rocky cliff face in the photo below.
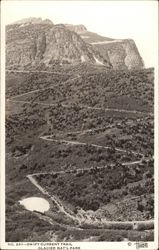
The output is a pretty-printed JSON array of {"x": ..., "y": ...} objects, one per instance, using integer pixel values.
[
  {"x": 79, "y": 29},
  {"x": 32, "y": 20},
  {"x": 34, "y": 41},
  {"x": 122, "y": 54}
]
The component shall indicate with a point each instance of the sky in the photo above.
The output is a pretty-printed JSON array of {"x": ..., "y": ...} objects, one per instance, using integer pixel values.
[{"x": 137, "y": 20}]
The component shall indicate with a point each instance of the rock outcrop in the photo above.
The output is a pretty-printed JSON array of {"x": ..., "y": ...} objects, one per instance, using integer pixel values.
[
  {"x": 34, "y": 41},
  {"x": 79, "y": 29},
  {"x": 122, "y": 54},
  {"x": 39, "y": 42},
  {"x": 33, "y": 20}
]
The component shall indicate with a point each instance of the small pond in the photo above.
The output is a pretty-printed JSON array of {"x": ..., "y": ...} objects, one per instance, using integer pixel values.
[{"x": 35, "y": 203}]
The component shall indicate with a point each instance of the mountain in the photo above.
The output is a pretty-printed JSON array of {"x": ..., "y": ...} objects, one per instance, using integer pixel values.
[
  {"x": 87, "y": 35},
  {"x": 121, "y": 53},
  {"x": 32, "y": 20},
  {"x": 80, "y": 28},
  {"x": 32, "y": 42}
]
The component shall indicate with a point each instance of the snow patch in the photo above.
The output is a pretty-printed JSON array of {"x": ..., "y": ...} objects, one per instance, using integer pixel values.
[
  {"x": 24, "y": 24},
  {"x": 84, "y": 36},
  {"x": 97, "y": 61},
  {"x": 103, "y": 42},
  {"x": 83, "y": 59}
]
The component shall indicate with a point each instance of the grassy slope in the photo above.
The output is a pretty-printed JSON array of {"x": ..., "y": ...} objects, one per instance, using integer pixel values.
[
  {"x": 24, "y": 128},
  {"x": 130, "y": 90}
]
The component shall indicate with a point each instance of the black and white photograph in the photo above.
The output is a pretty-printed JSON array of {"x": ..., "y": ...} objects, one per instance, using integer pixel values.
[{"x": 79, "y": 109}]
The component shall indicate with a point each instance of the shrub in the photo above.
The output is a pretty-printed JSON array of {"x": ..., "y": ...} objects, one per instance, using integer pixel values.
[{"x": 145, "y": 226}]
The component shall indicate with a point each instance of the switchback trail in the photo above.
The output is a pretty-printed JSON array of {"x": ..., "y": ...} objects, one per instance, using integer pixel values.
[
  {"x": 93, "y": 145},
  {"x": 65, "y": 105},
  {"x": 81, "y": 106},
  {"x": 81, "y": 219},
  {"x": 37, "y": 71},
  {"x": 60, "y": 206},
  {"x": 46, "y": 88}
]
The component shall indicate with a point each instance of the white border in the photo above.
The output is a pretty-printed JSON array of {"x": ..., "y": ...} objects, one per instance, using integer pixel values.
[{"x": 2, "y": 134}]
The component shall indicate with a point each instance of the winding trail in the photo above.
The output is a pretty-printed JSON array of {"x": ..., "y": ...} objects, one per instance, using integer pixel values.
[
  {"x": 93, "y": 145},
  {"x": 53, "y": 222},
  {"x": 38, "y": 90},
  {"x": 11, "y": 99},
  {"x": 81, "y": 106},
  {"x": 27, "y": 93},
  {"x": 37, "y": 71},
  {"x": 78, "y": 220},
  {"x": 58, "y": 203}
]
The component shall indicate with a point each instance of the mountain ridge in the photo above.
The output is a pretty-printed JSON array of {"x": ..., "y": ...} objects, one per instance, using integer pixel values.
[
  {"x": 32, "y": 41},
  {"x": 122, "y": 53}
]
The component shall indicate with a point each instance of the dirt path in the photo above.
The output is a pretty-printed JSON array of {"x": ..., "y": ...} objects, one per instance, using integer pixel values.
[
  {"x": 77, "y": 219},
  {"x": 11, "y": 99},
  {"x": 117, "y": 110},
  {"x": 53, "y": 198},
  {"x": 83, "y": 218},
  {"x": 53, "y": 222},
  {"x": 27, "y": 93},
  {"x": 80, "y": 106},
  {"x": 38, "y": 90},
  {"x": 93, "y": 145},
  {"x": 37, "y": 71}
]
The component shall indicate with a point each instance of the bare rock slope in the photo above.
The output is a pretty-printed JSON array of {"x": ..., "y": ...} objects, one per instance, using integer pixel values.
[
  {"x": 121, "y": 53},
  {"x": 34, "y": 41}
]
